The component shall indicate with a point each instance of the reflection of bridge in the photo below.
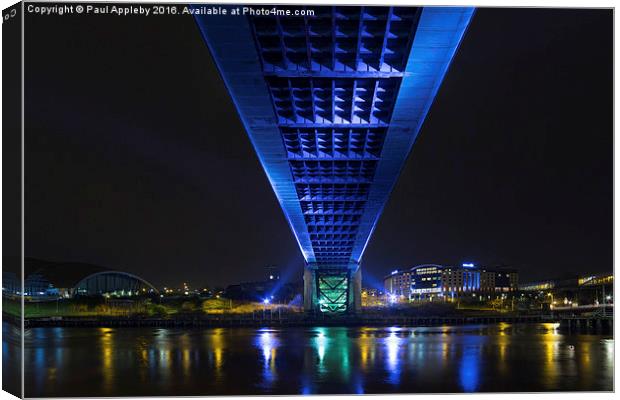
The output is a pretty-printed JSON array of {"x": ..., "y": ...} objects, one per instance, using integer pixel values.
[{"x": 333, "y": 104}]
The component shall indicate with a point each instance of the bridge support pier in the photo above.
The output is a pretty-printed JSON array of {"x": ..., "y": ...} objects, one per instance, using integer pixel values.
[
  {"x": 310, "y": 290},
  {"x": 355, "y": 306},
  {"x": 333, "y": 290}
]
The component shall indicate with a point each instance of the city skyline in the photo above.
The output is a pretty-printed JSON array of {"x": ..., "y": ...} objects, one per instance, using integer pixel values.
[{"x": 264, "y": 274}]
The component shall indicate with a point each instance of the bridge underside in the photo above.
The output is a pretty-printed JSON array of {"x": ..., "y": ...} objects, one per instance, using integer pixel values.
[{"x": 332, "y": 104}]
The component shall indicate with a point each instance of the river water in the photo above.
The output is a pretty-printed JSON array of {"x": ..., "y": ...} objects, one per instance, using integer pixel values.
[{"x": 149, "y": 361}]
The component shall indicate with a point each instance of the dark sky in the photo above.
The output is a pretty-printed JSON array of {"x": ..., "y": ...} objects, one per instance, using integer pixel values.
[{"x": 136, "y": 158}]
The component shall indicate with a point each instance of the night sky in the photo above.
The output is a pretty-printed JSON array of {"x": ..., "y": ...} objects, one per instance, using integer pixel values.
[{"x": 136, "y": 158}]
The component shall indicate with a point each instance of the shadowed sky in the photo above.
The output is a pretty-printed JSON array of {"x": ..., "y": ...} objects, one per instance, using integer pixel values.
[{"x": 136, "y": 158}]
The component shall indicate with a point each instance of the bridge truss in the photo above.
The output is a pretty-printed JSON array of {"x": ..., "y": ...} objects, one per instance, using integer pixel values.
[{"x": 332, "y": 104}]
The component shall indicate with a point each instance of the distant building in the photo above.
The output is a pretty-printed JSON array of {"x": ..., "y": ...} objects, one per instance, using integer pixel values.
[
  {"x": 569, "y": 283},
  {"x": 45, "y": 279},
  {"x": 434, "y": 280},
  {"x": 597, "y": 279},
  {"x": 10, "y": 284},
  {"x": 537, "y": 286},
  {"x": 372, "y": 297},
  {"x": 427, "y": 280},
  {"x": 498, "y": 280},
  {"x": 372, "y": 292},
  {"x": 398, "y": 283}
]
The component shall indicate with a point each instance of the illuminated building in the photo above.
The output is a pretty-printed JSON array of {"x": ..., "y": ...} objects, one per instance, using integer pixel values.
[
  {"x": 333, "y": 103},
  {"x": 427, "y": 280},
  {"x": 606, "y": 279},
  {"x": 11, "y": 285},
  {"x": 591, "y": 289},
  {"x": 498, "y": 280},
  {"x": 598, "y": 279},
  {"x": 537, "y": 286},
  {"x": 45, "y": 279},
  {"x": 371, "y": 292},
  {"x": 398, "y": 283},
  {"x": 112, "y": 283},
  {"x": 372, "y": 297},
  {"x": 35, "y": 285},
  {"x": 434, "y": 280}
]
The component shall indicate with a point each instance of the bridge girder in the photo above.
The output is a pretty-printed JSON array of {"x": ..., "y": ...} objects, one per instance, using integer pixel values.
[{"x": 333, "y": 104}]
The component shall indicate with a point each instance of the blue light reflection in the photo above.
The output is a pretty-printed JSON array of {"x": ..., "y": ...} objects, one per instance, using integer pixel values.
[
  {"x": 392, "y": 346},
  {"x": 267, "y": 342},
  {"x": 469, "y": 367}
]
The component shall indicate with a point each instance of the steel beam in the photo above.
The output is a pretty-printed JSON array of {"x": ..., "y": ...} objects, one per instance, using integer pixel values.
[{"x": 344, "y": 112}]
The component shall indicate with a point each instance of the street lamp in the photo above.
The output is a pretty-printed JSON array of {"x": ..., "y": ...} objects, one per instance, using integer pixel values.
[{"x": 551, "y": 303}]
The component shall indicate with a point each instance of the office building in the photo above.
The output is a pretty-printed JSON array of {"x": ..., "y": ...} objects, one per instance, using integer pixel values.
[{"x": 428, "y": 281}]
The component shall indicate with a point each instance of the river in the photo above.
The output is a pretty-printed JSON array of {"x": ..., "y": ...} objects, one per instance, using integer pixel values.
[{"x": 150, "y": 361}]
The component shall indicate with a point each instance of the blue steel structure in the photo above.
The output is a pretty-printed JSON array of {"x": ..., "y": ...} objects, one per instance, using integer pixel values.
[{"x": 333, "y": 103}]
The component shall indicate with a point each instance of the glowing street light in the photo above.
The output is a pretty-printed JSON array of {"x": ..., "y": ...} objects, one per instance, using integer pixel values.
[{"x": 265, "y": 301}]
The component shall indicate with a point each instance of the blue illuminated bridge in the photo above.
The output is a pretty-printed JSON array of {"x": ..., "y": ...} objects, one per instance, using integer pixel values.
[{"x": 333, "y": 104}]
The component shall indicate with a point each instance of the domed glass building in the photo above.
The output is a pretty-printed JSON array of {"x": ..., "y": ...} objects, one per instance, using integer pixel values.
[{"x": 70, "y": 279}]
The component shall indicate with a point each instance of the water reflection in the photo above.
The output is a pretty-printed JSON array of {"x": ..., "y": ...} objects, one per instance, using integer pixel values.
[
  {"x": 106, "y": 344},
  {"x": 392, "y": 344},
  {"x": 469, "y": 368},
  {"x": 321, "y": 344},
  {"x": 268, "y": 342},
  {"x": 314, "y": 360},
  {"x": 342, "y": 344},
  {"x": 215, "y": 351},
  {"x": 551, "y": 367}
]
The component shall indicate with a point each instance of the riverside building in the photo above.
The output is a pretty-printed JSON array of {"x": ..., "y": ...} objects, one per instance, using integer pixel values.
[{"x": 430, "y": 281}]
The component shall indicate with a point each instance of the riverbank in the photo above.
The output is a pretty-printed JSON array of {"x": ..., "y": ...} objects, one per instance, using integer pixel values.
[
  {"x": 213, "y": 314},
  {"x": 577, "y": 324},
  {"x": 289, "y": 320}
]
